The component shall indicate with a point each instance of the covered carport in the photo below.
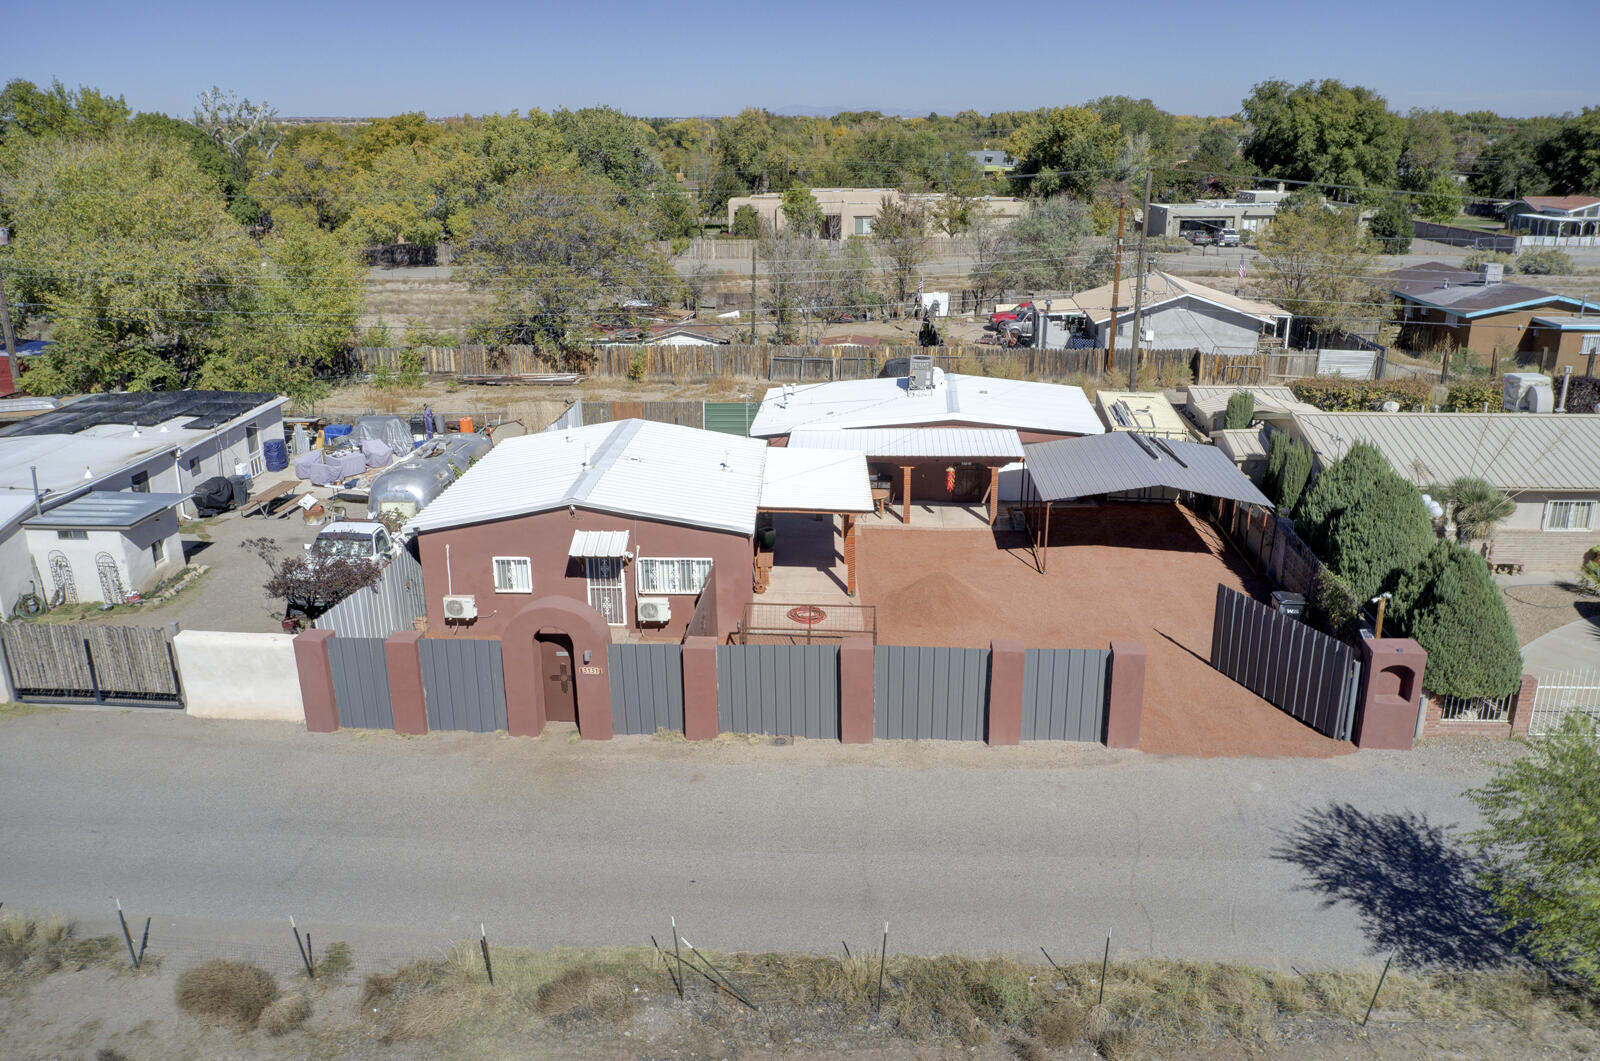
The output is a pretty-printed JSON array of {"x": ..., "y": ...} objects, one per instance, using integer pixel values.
[
  {"x": 815, "y": 482},
  {"x": 951, "y": 464},
  {"x": 1123, "y": 466}
]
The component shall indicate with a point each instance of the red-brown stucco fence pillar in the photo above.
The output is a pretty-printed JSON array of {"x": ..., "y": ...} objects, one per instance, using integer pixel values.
[
  {"x": 316, "y": 680},
  {"x": 700, "y": 688},
  {"x": 855, "y": 690},
  {"x": 402, "y": 657},
  {"x": 1390, "y": 683},
  {"x": 1522, "y": 706},
  {"x": 1006, "y": 663},
  {"x": 1125, "y": 697}
]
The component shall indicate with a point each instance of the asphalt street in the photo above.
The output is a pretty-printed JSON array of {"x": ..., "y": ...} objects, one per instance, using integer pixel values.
[{"x": 223, "y": 829}]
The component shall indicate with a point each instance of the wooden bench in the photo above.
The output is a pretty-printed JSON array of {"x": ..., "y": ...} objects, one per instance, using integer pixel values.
[{"x": 264, "y": 501}]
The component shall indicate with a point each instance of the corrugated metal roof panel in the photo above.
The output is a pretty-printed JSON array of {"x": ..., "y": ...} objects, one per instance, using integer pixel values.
[
  {"x": 815, "y": 480},
  {"x": 981, "y": 401},
  {"x": 1512, "y": 451},
  {"x": 598, "y": 543},
  {"x": 1123, "y": 461},
  {"x": 1280, "y": 401},
  {"x": 630, "y": 467},
  {"x": 969, "y": 442},
  {"x": 106, "y": 510}
]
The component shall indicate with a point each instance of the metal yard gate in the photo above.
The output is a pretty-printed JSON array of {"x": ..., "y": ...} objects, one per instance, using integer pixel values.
[
  {"x": 930, "y": 693},
  {"x": 1064, "y": 693},
  {"x": 129, "y": 666},
  {"x": 361, "y": 682},
  {"x": 463, "y": 686},
  {"x": 1314, "y": 677},
  {"x": 1560, "y": 695},
  {"x": 646, "y": 688},
  {"x": 784, "y": 690}
]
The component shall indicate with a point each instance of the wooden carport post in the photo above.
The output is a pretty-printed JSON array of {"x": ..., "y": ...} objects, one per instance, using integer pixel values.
[
  {"x": 849, "y": 538},
  {"x": 994, "y": 492},
  {"x": 905, "y": 494}
]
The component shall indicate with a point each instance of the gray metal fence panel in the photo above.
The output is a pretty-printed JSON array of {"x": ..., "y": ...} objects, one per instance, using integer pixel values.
[
  {"x": 785, "y": 690},
  {"x": 646, "y": 688},
  {"x": 361, "y": 682},
  {"x": 921, "y": 693},
  {"x": 462, "y": 684},
  {"x": 1064, "y": 693},
  {"x": 392, "y": 605},
  {"x": 1311, "y": 676}
]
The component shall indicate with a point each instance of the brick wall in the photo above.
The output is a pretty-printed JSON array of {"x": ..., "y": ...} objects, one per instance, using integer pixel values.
[
  {"x": 1516, "y": 724},
  {"x": 1558, "y": 552}
]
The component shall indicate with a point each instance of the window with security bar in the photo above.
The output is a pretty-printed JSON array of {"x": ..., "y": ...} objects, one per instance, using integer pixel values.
[
  {"x": 672, "y": 575},
  {"x": 513, "y": 574},
  {"x": 1570, "y": 516}
]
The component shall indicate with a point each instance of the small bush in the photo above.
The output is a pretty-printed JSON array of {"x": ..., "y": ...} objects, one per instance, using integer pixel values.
[
  {"x": 565, "y": 993},
  {"x": 1241, "y": 410},
  {"x": 1061, "y": 1025},
  {"x": 1478, "y": 259},
  {"x": 1550, "y": 262},
  {"x": 222, "y": 989},
  {"x": 336, "y": 961},
  {"x": 1470, "y": 396},
  {"x": 636, "y": 367},
  {"x": 1583, "y": 394},
  {"x": 286, "y": 1014}
]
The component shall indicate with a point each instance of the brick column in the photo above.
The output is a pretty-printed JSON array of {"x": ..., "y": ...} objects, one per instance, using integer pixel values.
[
  {"x": 316, "y": 680},
  {"x": 1006, "y": 664},
  {"x": 403, "y": 659},
  {"x": 855, "y": 691},
  {"x": 700, "y": 688},
  {"x": 1522, "y": 706},
  {"x": 1125, "y": 698},
  {"x": 1392, "y": 672}
]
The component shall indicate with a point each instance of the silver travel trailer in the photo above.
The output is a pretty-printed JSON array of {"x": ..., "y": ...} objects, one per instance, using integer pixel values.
[{"x": 406, "y": 487}]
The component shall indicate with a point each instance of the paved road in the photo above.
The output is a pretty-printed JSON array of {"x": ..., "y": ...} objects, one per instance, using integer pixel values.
[{"x": 223, "y": 829}]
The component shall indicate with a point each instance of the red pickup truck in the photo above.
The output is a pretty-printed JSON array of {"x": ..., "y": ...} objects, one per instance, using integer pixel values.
[{"x": 1008, "y": 315}]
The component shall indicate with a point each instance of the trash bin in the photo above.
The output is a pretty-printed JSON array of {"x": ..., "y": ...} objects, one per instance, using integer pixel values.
[{"x": 1291, "y": 604}]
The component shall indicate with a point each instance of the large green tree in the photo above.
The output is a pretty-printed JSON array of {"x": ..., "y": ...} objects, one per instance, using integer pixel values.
[
  {"x": 1048, "y": 249},
  {"x": 1317, "y": 264},
  {"x": 1450, "y": 604},
  {"x": 900, "y": 238},
  {"x": 1289, "y": 464},
  {"x": 124, "y": 244},
  {"x": 1063, "y": 149},
  {"x": 1335, "y": 490},
  {"x": 1324, "y": 132},
  {"x": 558, "y": 251},
  {"x": 1379, "y": 536},
  {"x": 1541, "y": 840},
  {"x": 1571, "y": 158}
]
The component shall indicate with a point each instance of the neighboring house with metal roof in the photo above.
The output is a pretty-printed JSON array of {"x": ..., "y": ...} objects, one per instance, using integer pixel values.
[
  {"x": 1556, "y": 220},
  {"x": 1444, "y": 307},
  {"x": 1037, "y": 411},
  {"x": 1146, "y": 412},
  {"x": 159, "y": 441},
  {"x": 1246, "y": 447},
  {"x": 1207, "y": 407},
  {"x": 613, "y": 515},
  {"x": 1179, "y": 312},
  {"x": 1549, "y": 463},
  {"x": 107, "y": 544}
]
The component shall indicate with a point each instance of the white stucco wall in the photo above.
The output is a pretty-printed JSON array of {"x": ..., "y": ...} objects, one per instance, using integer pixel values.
[
  {"x": 239, "y": 676},
  {"x": 230, "y": 447},
  {"x": 130, "y": 549},
  {"x": 16, "y": 568}
]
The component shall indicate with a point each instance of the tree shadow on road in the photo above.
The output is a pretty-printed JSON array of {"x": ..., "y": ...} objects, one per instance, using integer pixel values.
[{"x": 1414, "y": 885}]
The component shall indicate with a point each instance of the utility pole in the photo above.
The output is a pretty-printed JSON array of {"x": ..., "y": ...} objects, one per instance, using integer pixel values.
[
  {"x": 5, "y": 311},
  {"x": 753, "y": 294},
  {"x": 1138, "y": 293},
  {"x": 1116, "y": 286}
]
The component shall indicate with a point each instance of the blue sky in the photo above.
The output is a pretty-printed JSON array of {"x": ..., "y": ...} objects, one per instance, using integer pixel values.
[{"x": 476, "y": 56}]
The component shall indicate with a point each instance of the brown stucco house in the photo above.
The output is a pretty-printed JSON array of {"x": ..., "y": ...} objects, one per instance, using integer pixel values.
[
  {"x": 1456, "y": 309},
  {"x": 631, "y": 523}
]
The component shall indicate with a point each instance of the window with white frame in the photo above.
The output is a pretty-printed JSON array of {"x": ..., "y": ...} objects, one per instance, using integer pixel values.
[
  {"x": 672, "y": 576},
  {"x": 158, "y": 551},
  {"x": 513, "y": 574},
  {"x": 1569, "y": 516},
  {"x": 863, "y": 226}
]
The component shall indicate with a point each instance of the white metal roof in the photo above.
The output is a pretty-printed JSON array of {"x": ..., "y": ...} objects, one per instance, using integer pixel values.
[
  {"x": 68, "y": 461},
  {"x": 1243, "y": 443},
  {"x": 1270, "y": 401},
  {"x": 1513, "y": 451},
  {"x": 998, "y": 442},
  {"x": 1143, "y": 411},
  {"x": 630, "y": 467},
  {"x": 981, "y": 401},
  {"x": 106, "y": 510},
  {"x": 815, "y": 480},
  {"x": 598, "y": 543}
]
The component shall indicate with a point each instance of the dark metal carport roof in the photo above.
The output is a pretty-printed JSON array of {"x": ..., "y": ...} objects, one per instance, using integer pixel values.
[{"x": 1124, "y": 461}]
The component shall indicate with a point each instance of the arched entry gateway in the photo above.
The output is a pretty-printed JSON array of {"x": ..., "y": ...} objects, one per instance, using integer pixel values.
[{"x": 553, "y": 653}]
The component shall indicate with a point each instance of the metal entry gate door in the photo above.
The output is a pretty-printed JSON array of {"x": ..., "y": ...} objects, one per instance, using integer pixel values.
[{"x": 1306, "y": 673}]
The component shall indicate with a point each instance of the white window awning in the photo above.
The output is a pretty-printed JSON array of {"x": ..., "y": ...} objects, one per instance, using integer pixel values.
[{"x": 598, "y": 543}]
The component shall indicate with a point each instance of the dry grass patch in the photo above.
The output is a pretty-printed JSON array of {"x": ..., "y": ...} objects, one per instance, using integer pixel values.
[
  {"x": 32, "y": 948},
  {"x": 221, "y": 989},
  {"x": 286, "y": 1014}
]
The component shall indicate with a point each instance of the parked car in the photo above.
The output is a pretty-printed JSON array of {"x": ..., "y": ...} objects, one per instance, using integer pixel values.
[
  {"x": 1005, "y": 316},
  {"x": 1229, "y": 238},
  {"x": 1201, "y": 237},
  {"x": 355, "y": 539}
]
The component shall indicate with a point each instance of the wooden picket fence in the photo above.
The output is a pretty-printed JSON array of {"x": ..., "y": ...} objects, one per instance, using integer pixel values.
[{"x": 685, "y": 364}]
